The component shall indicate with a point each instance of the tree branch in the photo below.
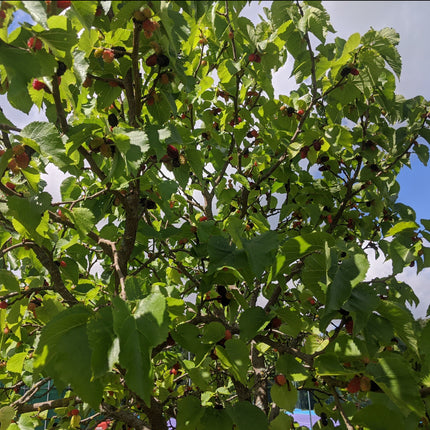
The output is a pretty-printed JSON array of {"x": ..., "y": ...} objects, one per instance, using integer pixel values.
[{"x": 124, "y": 416}]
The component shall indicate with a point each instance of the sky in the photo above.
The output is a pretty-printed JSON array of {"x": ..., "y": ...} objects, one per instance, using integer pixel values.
[{"x": 410, "y": 20}]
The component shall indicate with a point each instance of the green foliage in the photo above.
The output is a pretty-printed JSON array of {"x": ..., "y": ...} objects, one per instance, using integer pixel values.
[{"x": 211, "y": 241}]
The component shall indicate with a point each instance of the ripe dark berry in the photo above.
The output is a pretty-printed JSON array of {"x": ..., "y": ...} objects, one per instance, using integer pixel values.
[
  {"x": 349, "y": 326},
  {"x": 148, "y": 203},
  {"x": 151, "y": 61},
  {"x": 254, "y": 58},
  {"x": 63, "y": 4},
  {"x": 276, "y": 322},
  {"x": 118, "y": 51},
  {"x": 290, "y": 110},
  {"x": 354, "y": 385},
  {"x": 345, "y": 71},
  {"x": 317, "y": 144},
  {"x": 162, "y": 60},
  {"x": 113, "y": 120},
  {"x": 304, "y": 152},
  {"x": 172, "y": 152},
  {"x": 61, "y": 68}
]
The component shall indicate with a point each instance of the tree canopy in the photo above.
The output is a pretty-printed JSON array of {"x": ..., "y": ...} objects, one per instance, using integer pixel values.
[{"x": 208, "y": 259}]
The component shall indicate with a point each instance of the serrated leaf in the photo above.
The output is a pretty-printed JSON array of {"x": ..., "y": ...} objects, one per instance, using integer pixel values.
[
  {"x": 135, "y": 350},
  {"x": 251, "y": 321},
  {"x": 402, "y": 321},
  {"x": 61, "y": 339},
  {"x": 84, "y": 12},
  {"x": 213, "y": 332},
  {"x": 190, "y": 412},
  {"x": 260, "y": 251},
  {"x": 282, "y": 422},
  {"x": 83, "y": 219},
  {"x": 6, "y": 415},
  {"x": 152, "y": 318},
  {"x": 247, "y": 416},
  {"x": 101, "y": 338},
  {"x": 394, "y": 375},
  {"x": 49, "y": 141},
  {"x": 401, "y": 226},
  {"x": 352, "y": 271},
  {"x": 8, "y": 281},
  {"x": 59, "y": 40},
  {"x": 284, "y": 396},
  {"x": 235, "y": 358},
  {"x": 37, "y": 10},
  {"x": 16, "y": 362}
]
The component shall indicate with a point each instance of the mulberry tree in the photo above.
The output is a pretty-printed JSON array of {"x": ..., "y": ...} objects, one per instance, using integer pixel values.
[{"x": 207, "y": 259}]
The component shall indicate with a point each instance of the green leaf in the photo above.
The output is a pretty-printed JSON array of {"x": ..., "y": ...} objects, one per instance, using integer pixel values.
[
  {"x": 247, "y": 416},
  {"x": 102, "y": 342},
  {"x": 251, "y": 321},
  {"x": 152, "y": 318},
  {"x": 83, "y": 219},
  {"x": 226, "y": 70},
  {"x": 291, "y": 367},
  {"x": 216, "y": 419},
  {"x": 16, "y": 362},
  {"x": 135, "y": 350},
  {"x": 235, "y": 358},
  {"x": 260, "y": 251},
  {"x": 328, "y": 364},
  {"x": 21, "y": 68},
  {"x": 284, "y": 396},
  {"x": 190, "y": 413},
  {"x": 220, "y": 251},
  {"x": 394, "y": 375},
  {"x": 402, "y": 321},
  {"x": 362, "y": 302},
  {"x": 188, "y": 336},
  {"x": 401, "y": 226},
  {"x": 106, "y": 94},
  {"x": 84, "y": 12},
  {"x": 69, "y": 189},
  {"x": 37, "y": 10},
  {"x": 49, "y": 141},
  {"x": 61, "y": 340},
  {"x": 8, "y": 281},
  {"x": 299, "y": 246},
  {"x": 6, "y": 415},
  {"x": 282, "y": 422},
  {"x": 379, "y": 417},
  {"x": 213, "y": 332},
  {"x": 316, "y": 267},
  {"x": 352, "y": 271},
  {"x": 59, "y": 39},
  {"x": 30, "y": 214},
  {"x": 423, "y": 153}
]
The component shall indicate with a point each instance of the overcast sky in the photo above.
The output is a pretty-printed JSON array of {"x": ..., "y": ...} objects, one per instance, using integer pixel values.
[{"x": 410, "y": 19}]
